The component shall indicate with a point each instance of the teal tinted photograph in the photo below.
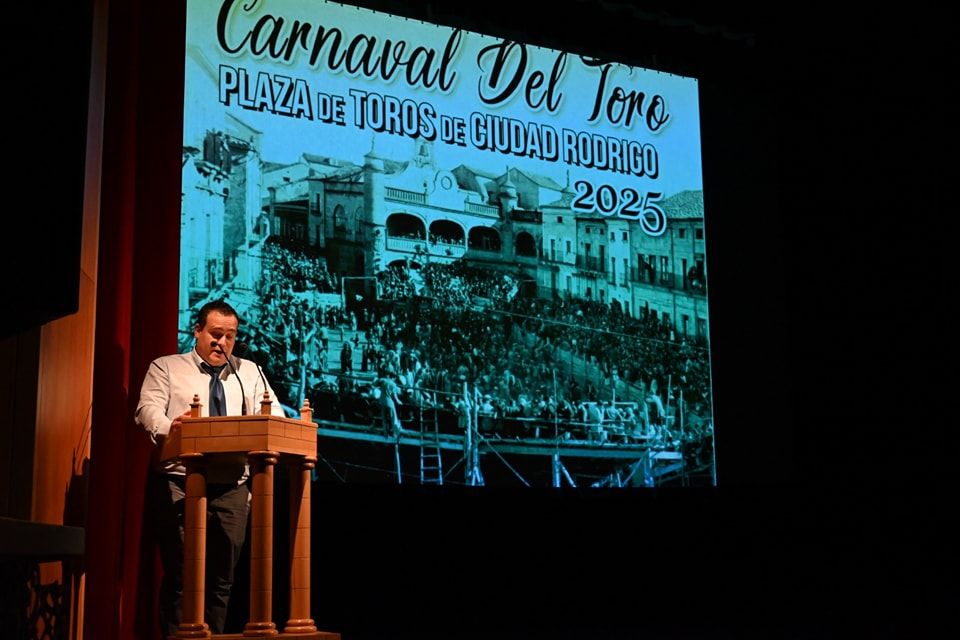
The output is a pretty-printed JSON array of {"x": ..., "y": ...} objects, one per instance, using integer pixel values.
[{"x": 483, "y": 262}]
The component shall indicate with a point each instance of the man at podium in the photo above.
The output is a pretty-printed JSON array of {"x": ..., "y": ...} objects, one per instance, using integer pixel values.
[{"x": 227, "y": 385}]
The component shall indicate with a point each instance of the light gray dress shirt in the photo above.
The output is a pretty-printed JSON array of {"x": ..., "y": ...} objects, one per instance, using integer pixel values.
[{"x": 168, "y": 389}]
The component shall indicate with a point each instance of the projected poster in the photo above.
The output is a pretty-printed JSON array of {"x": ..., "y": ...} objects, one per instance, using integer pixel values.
[{"x": 482, "y": 261}]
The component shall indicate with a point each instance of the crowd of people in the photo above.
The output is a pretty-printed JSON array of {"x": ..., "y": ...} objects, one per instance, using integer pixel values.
[
  {"x": 526, "y": 363},
  {"x": 288, "y": 268},
  {"x": 459, "y": 284},
  {"x": 516, "y": 354},
  {"x": 640, "y": 350},
  {"x": 433, "y": 351}
]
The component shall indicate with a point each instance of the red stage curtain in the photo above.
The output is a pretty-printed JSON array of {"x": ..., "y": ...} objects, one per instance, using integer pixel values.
[{"x": 137, "y": 297}]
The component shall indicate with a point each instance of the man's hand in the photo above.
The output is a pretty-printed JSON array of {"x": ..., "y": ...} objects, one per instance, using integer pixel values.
[{"x": 179, "y": 420}]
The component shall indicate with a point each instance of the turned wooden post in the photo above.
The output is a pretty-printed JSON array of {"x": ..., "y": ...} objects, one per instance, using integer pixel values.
[
  {"x": 300, "y": 479},
  {"x": 262, "y": 464},
  {"x": 194, "y": 542},
  {"x": 194, "y": 549},
  {"x": 301, "y": 470},
  {"x": 265, "y": 404}
]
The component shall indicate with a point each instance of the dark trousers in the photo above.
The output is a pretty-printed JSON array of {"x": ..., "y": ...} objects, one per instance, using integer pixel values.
[{"x": 227, "y": 513}]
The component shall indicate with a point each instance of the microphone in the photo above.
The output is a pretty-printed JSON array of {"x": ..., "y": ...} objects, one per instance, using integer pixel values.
[
  {"x": 246, "y": 349},
  {"x": 243, "y": 394}
]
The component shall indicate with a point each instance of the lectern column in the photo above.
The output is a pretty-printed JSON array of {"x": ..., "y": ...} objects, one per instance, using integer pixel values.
[
  {"x": 194, "y": 548},
  {"x": 300, "y": 621},
  {"x": 262, "y": 464}
]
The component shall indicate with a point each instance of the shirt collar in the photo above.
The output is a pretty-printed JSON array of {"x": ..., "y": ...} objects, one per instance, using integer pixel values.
[{"x": 199, "y": 362}]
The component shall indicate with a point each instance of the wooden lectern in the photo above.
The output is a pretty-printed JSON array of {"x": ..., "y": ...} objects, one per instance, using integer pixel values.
[{"x": 265, "y": 440}]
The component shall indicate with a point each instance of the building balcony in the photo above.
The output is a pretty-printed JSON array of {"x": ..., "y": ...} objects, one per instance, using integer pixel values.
[
  {"x": 447, "y": 249},
  {"x": 482, "y": 209},
  {"x": 410, "y": 245},
  {"x": 616, "y": 278},
  {"x": 674, "y": 281},
  {"x": 591, "y": 263},
  {"x": 402, "y": 195},
  {"x": 558, "y": 257},
  {"x": 522, "y": 215},
  {"x": 433, "y": 248}
]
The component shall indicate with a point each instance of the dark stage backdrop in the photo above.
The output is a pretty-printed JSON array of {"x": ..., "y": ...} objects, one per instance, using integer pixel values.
[{"x": 49, "y": 64}]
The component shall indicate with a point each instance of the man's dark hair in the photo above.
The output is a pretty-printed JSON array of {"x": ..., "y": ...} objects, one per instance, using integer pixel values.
[{"x": 219, "y": 306}]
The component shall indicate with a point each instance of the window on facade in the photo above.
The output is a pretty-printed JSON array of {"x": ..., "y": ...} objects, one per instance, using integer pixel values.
[
  {"x": 560, "y": 219},
  {"x": 568, "y": 246},
  {"x": 681, "y": 232},
  {"x": 612, "y": 235},
  {"x": 698, "y": 233},
  {"x": 624, "y": 236}
]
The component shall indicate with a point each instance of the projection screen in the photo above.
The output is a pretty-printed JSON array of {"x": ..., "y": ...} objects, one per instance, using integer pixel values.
[{"x": 482, "y": 261}]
